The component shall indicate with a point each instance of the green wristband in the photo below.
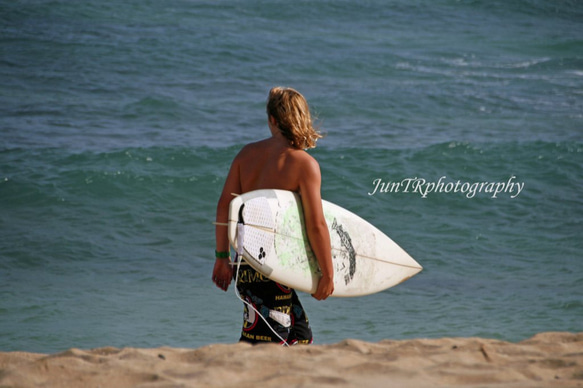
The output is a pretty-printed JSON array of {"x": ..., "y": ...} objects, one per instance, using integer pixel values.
[{"x": 222, "y": 255}]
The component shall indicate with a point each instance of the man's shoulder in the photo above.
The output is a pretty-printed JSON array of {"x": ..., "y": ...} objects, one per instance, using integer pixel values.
[
  {"x": 251, "y": 148},
  {"x": 305, "y": 157}
]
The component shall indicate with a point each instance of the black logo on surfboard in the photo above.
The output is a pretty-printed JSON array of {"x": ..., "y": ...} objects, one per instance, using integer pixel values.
[{"x": 350, "y": 254}]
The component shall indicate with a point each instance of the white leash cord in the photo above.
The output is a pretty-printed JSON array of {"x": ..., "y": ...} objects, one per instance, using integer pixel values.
[{"x": 240, "y": 238}]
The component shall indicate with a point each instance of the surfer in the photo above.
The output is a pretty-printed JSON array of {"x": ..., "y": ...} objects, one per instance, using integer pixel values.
[{"x": 278, "y": 162}]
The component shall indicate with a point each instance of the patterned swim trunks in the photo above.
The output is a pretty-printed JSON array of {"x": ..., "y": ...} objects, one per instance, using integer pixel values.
[{"x": 271, "y": 300}]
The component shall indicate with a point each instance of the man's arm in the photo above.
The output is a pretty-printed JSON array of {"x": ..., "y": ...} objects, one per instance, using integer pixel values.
[
  {"x": 222, "y": 271},
  {"x": 316, "y": 227}
]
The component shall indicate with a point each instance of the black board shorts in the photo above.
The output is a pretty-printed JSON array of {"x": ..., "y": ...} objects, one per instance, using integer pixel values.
[{"x": 265, "y": 295}]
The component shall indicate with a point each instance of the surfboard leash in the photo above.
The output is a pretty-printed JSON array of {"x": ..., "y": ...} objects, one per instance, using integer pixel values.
[{"x": 239, "y": 250}]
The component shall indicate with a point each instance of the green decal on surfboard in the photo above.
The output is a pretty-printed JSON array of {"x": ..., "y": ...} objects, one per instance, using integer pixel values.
[{"x": 291, "y": 242}]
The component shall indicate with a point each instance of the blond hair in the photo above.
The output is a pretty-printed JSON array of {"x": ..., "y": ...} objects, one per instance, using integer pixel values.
[{"x": 292, "y": 114}]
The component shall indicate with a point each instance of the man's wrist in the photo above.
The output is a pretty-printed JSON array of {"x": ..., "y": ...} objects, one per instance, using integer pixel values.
[{"x": 222, "y": 254}]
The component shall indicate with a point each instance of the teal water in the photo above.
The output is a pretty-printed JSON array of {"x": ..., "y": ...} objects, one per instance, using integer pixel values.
[{"x": 118, "y": 123}]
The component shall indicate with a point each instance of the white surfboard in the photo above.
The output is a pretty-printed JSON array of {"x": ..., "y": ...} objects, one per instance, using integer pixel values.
[{"x": 269, "y": 226}]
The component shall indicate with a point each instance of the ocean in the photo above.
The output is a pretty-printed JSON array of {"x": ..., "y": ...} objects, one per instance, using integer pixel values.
[{"x": 456, "y": 127}]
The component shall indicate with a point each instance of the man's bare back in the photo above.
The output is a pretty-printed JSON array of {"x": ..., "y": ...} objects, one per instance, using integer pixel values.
[{"x": 268, "y": 164}]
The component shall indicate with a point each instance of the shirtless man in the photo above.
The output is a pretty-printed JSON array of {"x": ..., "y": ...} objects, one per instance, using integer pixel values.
[{"x": 278, "y": 162}]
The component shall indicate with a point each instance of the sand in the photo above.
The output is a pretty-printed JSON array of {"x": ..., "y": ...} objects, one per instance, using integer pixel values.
[{"x": 546, "y": 360}]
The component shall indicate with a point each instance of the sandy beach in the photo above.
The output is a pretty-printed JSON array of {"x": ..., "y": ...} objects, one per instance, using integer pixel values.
[{"x": 545, "y": 360}]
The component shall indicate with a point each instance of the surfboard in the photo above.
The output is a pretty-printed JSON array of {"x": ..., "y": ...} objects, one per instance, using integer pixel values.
[{"x": 267, "y": 228}]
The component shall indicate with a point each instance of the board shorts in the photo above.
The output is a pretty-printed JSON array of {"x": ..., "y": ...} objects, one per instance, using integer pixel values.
[{"x": 266, "y": 295}]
